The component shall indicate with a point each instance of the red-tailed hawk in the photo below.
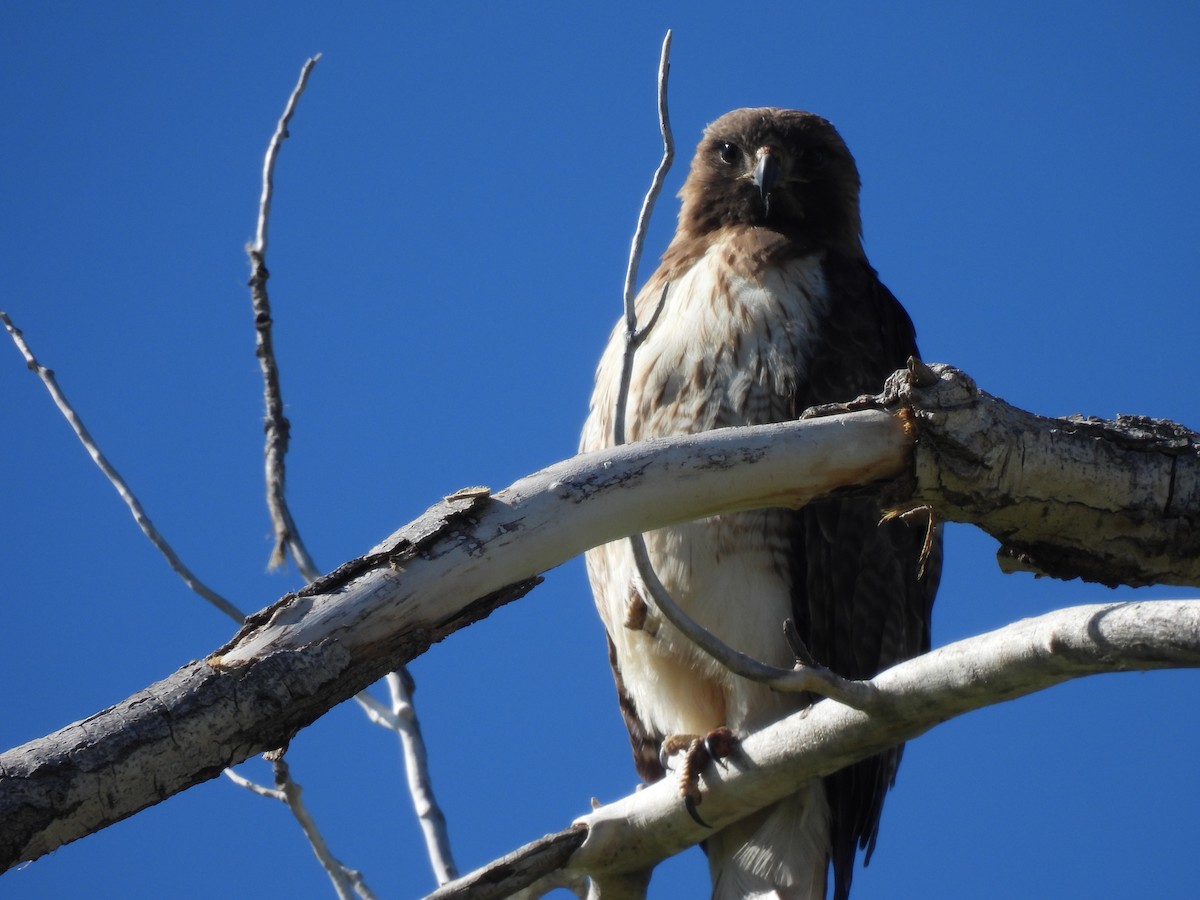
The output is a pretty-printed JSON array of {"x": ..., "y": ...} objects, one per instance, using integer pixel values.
[{"x": 770, "y": 307}]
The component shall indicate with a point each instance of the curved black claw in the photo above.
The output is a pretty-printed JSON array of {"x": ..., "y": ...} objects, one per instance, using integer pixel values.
[
  {"x": 721, "y": 743},
  {"x": 698, "y": 752},
  {"x": 690, "y": 805}
]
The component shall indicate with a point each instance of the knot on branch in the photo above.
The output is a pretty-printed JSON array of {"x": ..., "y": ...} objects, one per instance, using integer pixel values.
[{"x": 924, "y": 388}]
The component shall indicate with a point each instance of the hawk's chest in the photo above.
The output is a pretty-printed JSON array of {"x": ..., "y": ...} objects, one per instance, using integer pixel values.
[{"x": 729, "y": 346}]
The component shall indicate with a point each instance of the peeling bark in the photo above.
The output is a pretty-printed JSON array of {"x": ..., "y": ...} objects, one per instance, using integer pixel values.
[
  {"x": 1114, "y": 502},
  {"x": 466, "y": 556}
]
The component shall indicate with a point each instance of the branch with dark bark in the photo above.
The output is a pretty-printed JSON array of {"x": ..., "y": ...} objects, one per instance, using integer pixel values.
[
  {"x": 477, "y": 550},
  {"x": 276, "y": 425},
  {"x": 1113, "y": 502}
]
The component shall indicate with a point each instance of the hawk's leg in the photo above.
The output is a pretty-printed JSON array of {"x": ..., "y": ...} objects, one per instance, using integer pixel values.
[{"x": 698, "y": 752}]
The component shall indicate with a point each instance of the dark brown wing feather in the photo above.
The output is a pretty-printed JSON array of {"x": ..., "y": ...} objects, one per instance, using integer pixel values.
[
  {"x": 645, "y": 744},
  {"x": 859, "y": 601}
]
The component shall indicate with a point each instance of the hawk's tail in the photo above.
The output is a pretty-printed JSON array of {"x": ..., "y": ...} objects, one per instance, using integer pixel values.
[{"x": 780, "y": 852}]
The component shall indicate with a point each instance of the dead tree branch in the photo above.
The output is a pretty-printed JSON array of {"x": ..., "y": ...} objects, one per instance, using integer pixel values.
[
  {"x": 637, "y": 831},
  {"x": 277, "y": 428},
  {"x": 114, "y": 477},
  {"x": 633, "y": 335},
  {"x": 346, "y": 882},
  {"x": 1112, "y": 502},
  {"x": 477, "y": 550}
]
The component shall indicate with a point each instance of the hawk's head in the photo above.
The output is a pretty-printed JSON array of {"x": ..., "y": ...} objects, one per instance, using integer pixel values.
[{"x": 782, "y": 169}]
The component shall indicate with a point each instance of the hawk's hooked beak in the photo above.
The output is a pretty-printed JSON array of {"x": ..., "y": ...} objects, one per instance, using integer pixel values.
[{"x": 766, "y": 170}]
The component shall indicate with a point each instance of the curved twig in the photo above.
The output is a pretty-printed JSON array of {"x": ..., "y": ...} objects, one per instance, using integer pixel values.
[
  {"x": 633, "y": 336},
  {"x": 804, "y": 677}
]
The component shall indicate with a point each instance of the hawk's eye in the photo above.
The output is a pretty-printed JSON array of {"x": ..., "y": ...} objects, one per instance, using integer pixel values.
[{"x": 729, "y": 153}]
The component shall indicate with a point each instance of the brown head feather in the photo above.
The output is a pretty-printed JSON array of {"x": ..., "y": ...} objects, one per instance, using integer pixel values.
[{"x": 814, "y": 202}]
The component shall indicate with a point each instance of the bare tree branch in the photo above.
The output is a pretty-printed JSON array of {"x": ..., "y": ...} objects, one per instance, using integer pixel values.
[
  {"x": 287, "y": 537},
  {"x": 476, "y": 550},
  {"x": 347, "y": 882},
  {"x": 633, "y": 336},
  {"x": 1112, "y": 502},
  {"x": 254, "y": 787},
  {"x": 518, "y": 870},
  {"x": 649, "y": 825},
  {"x": 114, "y": 477},
  {"x": 402, "y": 719},
  {"x": 287, "y": 791},
  {"x": 420, "y": 784},
  {"x": 468, "y": 555}
]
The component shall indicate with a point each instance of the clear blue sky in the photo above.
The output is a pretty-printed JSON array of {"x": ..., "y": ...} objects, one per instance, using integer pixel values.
[{"x": 448, "y": 245}]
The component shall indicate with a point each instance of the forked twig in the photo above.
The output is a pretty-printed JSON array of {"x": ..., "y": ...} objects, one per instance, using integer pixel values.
[{"x": 346, "y": 881}]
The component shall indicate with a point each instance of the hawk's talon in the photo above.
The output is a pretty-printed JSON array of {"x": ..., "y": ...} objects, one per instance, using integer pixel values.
[
  {"x": 698, "y": 752},
  {"x": 721, "y": 743},
  {"x": 690, "y": 805},
  {"x": 675, "y": 743}
]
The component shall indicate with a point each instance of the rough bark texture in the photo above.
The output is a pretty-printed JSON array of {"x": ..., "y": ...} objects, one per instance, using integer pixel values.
[
  {"x": 177, "y": 733},
  {"x": 1111, "y": 502},
  {"x": 517, "y": 870},
  {"x": 1114, "y": 502},
  {"x": 466, "y": 556}
]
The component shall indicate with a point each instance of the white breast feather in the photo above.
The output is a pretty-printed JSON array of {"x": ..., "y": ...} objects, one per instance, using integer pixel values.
[{"x": 715, "y": 358}]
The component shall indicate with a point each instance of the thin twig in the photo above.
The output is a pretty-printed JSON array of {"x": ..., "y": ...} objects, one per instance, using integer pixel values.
[
  {"x": 277, "y": 428},
  {"x": 402, "y": 719},
  {"x": 286, "y": 791},
  {"x": 115, "y": 479},
  {"x": 632, "y": 336},
  {"x": 255, "y": 788},
  {"x": 420, "y": 785},
  {"x": 346, "y": 881},
  {"x": 287, "y": 538}
]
